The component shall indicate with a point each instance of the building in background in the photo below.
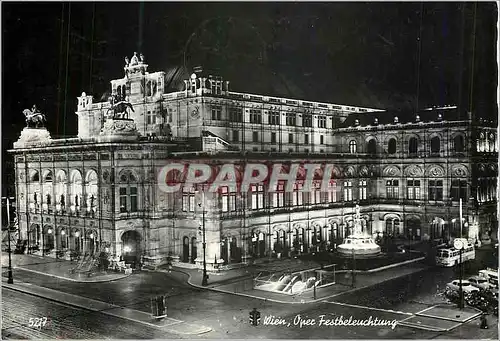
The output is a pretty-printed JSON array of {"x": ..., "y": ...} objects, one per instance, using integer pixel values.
[{"x": 99, "y": 191}]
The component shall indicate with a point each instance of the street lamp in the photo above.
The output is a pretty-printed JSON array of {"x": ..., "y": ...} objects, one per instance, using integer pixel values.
[
  {"x": 204, "y": 281},
  {"x": 10, "y": 280}
]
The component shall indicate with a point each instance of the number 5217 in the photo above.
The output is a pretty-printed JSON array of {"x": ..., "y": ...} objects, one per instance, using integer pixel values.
[{"x": 37, "y": 322}]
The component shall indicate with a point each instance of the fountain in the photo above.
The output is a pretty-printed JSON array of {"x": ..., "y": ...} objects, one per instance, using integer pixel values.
[{"x": 358, "y": 243}]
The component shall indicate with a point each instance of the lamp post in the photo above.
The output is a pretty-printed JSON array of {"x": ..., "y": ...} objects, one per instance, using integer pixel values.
[
  {"x": 204, "y": 281},
  {"x": 10, "y": 280}
]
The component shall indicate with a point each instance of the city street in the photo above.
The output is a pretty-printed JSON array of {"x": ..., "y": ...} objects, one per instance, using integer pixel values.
[
  {"x": 64, "y": 322},
  {"x": 227, "y": 314}
]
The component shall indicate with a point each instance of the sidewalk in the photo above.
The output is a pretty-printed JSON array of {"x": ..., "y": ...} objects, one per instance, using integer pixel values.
[
  {"x": 166, "y": 324},
  {"x": 441, "y": 318},
  {"x": 240, "y": 281},
  {"x": 57, "y": 268}
]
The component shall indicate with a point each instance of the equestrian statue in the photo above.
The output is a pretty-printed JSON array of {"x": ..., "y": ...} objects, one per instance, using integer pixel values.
[
  {"x": 119, "y": 108},
  {"x": 34, "y": 118}
]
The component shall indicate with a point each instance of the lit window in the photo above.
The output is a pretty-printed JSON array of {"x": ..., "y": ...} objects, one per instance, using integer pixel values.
[
  {"x": 392, "y": 189},
  {"x": 332, "y": 191},
  {"x": 413, "y": 189},
  {"x": 362, "y": 190},
  {"x": 257, "y": 197},
  {"x": 348, "y": 191},
  {"x": 321, "y": 121},
  {"x": 352, "y": 147}
]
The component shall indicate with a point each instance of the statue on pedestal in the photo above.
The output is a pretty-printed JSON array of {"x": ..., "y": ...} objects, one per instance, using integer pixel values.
[
  {"x": 34, "y": 118},
  {"x": 119, "y": 108},
  {"x": 134, "y": 60},
  {"x": 357, "y": 222}
]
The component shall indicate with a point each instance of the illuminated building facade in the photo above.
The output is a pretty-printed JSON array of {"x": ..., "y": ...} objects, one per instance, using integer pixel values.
[{"x": 99, "y": 191}]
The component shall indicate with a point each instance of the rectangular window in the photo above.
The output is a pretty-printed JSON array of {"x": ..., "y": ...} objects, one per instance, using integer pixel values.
[
  {"x": 151, "y": 117},
  {"x": 255, "y": 116},
  {"x": 291, "y": 119},
  {"x": 458, "y": 190},
  {"x": 290, "y": 138},
  {"x": 236, "y": 136},
  {"x": 347, "y": 191},
  {"x": 279, "y": 196},
  {"x": 273, "y": 137},
  {"x": 435, "y": 190},
  {"x": 297, "y": 196},
  {"x": 413, "y": 189},
  {"x": 123, "y": 199},
  {"x": 228, "y": 200},
  {"x": 362, "y": 190},
  {"x": 255, "y": 136},
  {"x": 315, "y": 193},
  {"x": 192, "y": 202},
  {"x": 321, "y": 139},
  {"x": 392, "y": 189},
  {"x": 306, "y": 139},
  {"x": 257, "y": 197},
  {"x": 332, "y": 191},
  {"x": 274, "y": 117},
  {"x": 188, "y": 200},
  {"x": 321, "y": 121},
  {"x": 307, "y": 120},
  {"x": 236, "y": 114},
  {"x": 216, "y": 112},
  {"x": 133, "y": 199}
]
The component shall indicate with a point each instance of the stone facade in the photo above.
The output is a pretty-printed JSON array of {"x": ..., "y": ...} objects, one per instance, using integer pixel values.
[{"x": 99, "y": 191}]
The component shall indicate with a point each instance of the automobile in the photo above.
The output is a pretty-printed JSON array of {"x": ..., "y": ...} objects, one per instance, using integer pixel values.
[
  {"x": 467, "y": 287},
  {"x": 480, "y": 282}
]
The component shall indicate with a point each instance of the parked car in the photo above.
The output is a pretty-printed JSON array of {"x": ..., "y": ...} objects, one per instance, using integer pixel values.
[
  {"x": 480, "y": 282},
  {"x": 466, "y": 286}
]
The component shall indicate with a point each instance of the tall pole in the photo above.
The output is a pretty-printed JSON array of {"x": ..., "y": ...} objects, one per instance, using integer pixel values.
[
  {"x": 461, "y": 293},
  {"x": 460, "y": 218},
  {"x": 10, "y": 280},
  {"x": 353, "y": 269},
  {"x": 204, "y": 281}
]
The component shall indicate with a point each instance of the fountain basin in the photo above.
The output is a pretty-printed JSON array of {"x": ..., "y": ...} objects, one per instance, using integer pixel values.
[{"x": 359, "y": 245}]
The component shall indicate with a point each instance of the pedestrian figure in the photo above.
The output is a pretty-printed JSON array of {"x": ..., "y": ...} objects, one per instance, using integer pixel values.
[{"x": 484, "y": 322}]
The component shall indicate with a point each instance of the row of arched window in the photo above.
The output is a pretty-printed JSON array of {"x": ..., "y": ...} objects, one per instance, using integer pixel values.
[
  {"x": 458, "y": 145},
  {"x": 63, "y": 192}
]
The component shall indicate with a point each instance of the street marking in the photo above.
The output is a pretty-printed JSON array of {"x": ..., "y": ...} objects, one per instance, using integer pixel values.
[
  {"x": 371, "y": 308},
  {"x": 434, "y": 306}
]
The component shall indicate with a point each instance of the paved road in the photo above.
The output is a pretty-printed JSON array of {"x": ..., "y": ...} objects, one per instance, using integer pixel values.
[
  {"x": 227, "y": 314},
  {"x": 65, "y": 322}
]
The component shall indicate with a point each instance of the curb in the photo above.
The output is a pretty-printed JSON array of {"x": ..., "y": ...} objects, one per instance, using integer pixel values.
[
  {"x": 204, "y": 329},
  {"x": 271, "y": 299},
  {"x": 70, "y": 279}
]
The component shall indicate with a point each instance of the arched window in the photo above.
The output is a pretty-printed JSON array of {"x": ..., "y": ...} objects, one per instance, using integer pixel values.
[
  {"x": 352, "y": 147},
  {"x": 392, "y": 146},
  {"x": 76, "y": 190},
  {"x": 458, "y": 144},
  {"x": 47, "y": 191},
  {"x": 435, "y": 145},
  {"x": 60, "y": 189},
  {"x": 413, "y": 145},
  {"x": 371, "y": 148},
  {"x": 91, "y": 191},
  {"x": 35, "y": 177}
]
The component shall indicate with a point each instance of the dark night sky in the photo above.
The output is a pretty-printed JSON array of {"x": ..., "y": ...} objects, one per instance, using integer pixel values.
[{"x": 365, "y": 54}]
